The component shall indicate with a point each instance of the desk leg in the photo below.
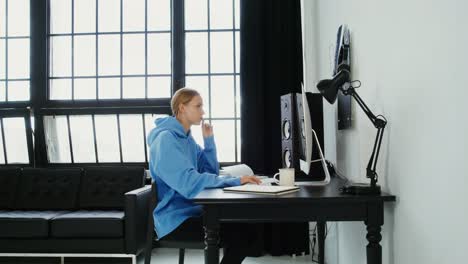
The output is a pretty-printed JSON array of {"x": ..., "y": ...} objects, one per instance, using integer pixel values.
[
  {"x": 211, "y": 226},
  {"x": 321, "y": 241},
  {"x": 374, "y": 223}
]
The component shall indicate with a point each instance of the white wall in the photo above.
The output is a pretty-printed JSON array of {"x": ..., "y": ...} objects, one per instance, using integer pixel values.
[{"x": 410, "y": 56}]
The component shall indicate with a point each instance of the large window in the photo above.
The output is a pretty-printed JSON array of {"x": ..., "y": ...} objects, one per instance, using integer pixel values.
[{"x": 105, "y": 69}]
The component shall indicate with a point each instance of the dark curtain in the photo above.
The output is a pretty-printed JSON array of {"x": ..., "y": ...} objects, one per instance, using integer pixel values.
[{"x": 271, "y": 66}]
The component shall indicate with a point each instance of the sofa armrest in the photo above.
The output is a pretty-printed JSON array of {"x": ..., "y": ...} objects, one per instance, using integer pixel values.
[{"x": 137, "y": 209}]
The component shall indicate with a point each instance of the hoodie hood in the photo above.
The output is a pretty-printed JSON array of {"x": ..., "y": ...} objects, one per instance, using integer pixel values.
[{"x": 169, "y": 123}]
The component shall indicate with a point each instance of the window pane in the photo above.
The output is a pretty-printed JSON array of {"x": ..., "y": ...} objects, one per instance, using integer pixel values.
[
  {"x": 85, "y": 56},
  {"x": 159, "y": 53},
  {"x": 15, "y": 140},
  {"x": 224, "y": 135},
  {"x": 2, "y": 59},
  {"x": 197, "y": 134},
  {"x": 133, "y": 87},
  {"x": 57, "y": 140},
  {"x": 109, "y": 88},
  {"x": 2, "y": 154},
  {"x": 18, "y": 18},
  {"x": 159, "y": 14},
  {"x": 2, "y": 91},
  {"x": 81, "y": 128},
  {"x": 85, "y": 16},
  {"x": 200, "y": 83},
  {"x": 238, "y": 97},
  {"x": 60, "y": 56},
  {"x": 159, "y": 87},
  {"x": 131, "y": 129},
  {"x": 2, "y": 19},
  {"x": 109, "y": 55},
  {"x": 237, "y": 52},
  {"x": 237, "y": 14},
  {"x": 60, "y": 89},
  {"x": 18, "y": 58},
  {"x": 133, "y": 15},
  {"x": 238, "y": 136},
  {"x": 85, "y": 88},
  {"x": 222, "y": 96},
  {"x": 134, "y": 54},
  {"x": 196, "y": 54},
  {"x": 18, "y": 90},
  {"x": 221, "y": 52},
  {"x": 107, "y": 138},
  {"x": 60, "y": 18},
  {"x": 221, "y": 14},
  {"x": 196, "y": 14},
  {"x": 108, "y": 16}
]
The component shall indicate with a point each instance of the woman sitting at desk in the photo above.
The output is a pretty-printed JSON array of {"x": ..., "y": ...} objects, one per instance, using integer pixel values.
[{"x": 182, "y": 169}]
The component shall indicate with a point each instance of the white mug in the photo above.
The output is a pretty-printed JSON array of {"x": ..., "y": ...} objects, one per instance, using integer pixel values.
[{"x": 286, "y": 176}]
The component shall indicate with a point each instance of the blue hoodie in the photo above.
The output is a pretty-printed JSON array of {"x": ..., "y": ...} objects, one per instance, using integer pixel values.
[{"x": 181, "y": 170}]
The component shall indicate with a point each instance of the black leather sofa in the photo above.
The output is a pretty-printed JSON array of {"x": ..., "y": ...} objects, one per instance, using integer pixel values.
[{"x": 73, "y": 211}]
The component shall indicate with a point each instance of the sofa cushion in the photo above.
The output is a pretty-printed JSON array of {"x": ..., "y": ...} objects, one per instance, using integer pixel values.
[
  {"x": 26, "y": 224},
  {"x": 88, "y": 224},
  {"x": 104, "y": 187},
  {"x": 9, "y": 178},
  {"x": 48, "y": 189}
]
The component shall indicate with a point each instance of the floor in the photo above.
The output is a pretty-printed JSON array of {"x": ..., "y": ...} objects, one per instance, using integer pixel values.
[{"x": 162, "y": 255}]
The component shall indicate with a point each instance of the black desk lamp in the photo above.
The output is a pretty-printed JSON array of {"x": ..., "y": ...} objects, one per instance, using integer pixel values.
[{"x": 329, "y": 90}]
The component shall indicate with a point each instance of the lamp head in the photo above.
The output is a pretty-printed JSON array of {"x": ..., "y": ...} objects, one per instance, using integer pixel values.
[{"x": 329, "y": 87}]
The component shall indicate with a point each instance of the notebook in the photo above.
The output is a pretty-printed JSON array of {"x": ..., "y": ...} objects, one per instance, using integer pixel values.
[{"x": 262, "y": 189}]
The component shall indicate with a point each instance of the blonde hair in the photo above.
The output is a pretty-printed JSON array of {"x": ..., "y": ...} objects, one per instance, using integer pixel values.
[{"x": 182, "y": 96}]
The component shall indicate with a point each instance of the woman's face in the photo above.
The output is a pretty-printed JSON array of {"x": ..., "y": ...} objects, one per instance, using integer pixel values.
[{"x": 193, "y": 110}]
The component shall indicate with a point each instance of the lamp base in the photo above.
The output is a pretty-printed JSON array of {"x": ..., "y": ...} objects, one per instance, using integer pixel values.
[{"x": 360, "y": 189}]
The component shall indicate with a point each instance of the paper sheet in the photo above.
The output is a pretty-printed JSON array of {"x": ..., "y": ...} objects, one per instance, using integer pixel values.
[{"x": 237, "y": 170}]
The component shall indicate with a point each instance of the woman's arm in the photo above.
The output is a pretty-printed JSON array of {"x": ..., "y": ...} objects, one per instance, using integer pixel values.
[{"x": 207, "y": 157}]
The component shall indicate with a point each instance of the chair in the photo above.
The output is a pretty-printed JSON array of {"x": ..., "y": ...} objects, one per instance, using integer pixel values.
[{"x": 188, "y": 241}]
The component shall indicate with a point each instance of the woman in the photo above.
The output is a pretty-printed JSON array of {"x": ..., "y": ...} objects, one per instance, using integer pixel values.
[{"x": 182, "y": 169}]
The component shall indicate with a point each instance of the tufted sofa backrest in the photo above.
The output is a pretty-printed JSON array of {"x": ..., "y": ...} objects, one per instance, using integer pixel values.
[
  {"x": 48, "y": 189},
  {"x": 9, "y": 178},
  {"x": 104, "y": 187}
]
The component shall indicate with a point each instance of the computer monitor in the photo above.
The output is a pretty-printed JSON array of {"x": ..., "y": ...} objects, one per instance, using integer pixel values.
[{"x": 313, "y": 168}]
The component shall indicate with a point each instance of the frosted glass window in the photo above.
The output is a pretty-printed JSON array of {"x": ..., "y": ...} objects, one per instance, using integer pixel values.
[
  {"x": 222, "y": 52},
  {"x": 85, "y": 56},
  {"x": 238, "y": 97},
  {"x": 60, "y": 18},
  {"x": 238, "y": 137},
  {"x": 57, "y": 140},
  {"x": 15, "y": 140},
  {"x": 81, "y": 128},
  {"x": 159, "y": 53},
  {"x": 159, "y": 87},
  {"x": 85, "y": 88},
  {"x": 237, "y": 52},
  {"x": 159, "y": 14},
  {"x": 60, "y": 56},
  {"x": 108, "y": 15},
  {"x": 133, "y": 15},
  {"x": 2, "y": 59},
  {"x": 237, "y": 13},
  {"x": 2, "y": 19},
  {"x": 131, "y": 130},
  {"x": 222, "y": 96},
  {"x": 60, "y": 89},
  {"x": 133, "y": 87},
  {"x": 196, "y": 14},
  {"x": 18, "y": 18},
  {"x": 221, "y": 14},
  {"x": 196, "y": 52},
  {"x": 134, "y": 54},
  {"x": 2, "y": 91},
  {"x": 18, "y": 90},
  {"x": 109, "y": 88},
  {"x": 200, "y": 83},
  {"x": 2, "y": 154},
  {"x": 224, "y": 136},
  {"x": 107, "y": 138},
  {"x": 109, "y": 55},
  {"x": 18, "y": 58},
  {"x": 85, "y": 16}
]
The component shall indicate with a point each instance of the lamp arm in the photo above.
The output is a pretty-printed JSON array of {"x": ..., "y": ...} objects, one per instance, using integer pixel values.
[{"x": 380, "y": 124}]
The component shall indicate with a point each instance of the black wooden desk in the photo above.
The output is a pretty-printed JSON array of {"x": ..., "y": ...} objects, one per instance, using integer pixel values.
[{"x": 319, "y": 204}]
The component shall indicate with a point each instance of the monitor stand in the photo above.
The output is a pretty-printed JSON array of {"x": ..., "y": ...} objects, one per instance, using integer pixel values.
[{"x": 316, "y": 169}]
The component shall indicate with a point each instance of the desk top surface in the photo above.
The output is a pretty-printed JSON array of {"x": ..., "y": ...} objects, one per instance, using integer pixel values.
[{"x": 328, "y": 193}]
